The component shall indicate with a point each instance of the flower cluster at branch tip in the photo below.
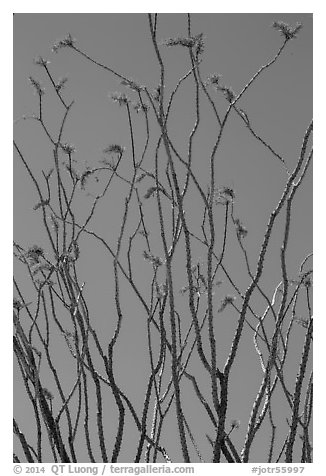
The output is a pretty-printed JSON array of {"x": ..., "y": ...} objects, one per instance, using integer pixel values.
[
  {"x": 17, "y": 304},
  {"x": 50, "y": 172},
  {"x": 84, "y": 177},
  {"x": 157, "y": 93},
  {"x": 71, "y": 255},
  {"x": 307, "y": 282},
  {"x": 120, "y": 98},
  {"x": 37, "y": 86},
  {"x": 47, "y": 394},
  {"x": 114, "y": 148},
  {"x": 68, "y": 41},
  {"x": 61, "y": 84},
  {"x": 138, "y": 106},
  {"x": 34, "y": 253},
  {"x": 241, "y": 230},
  {"x": 227, "y": 191},
  {"x": 224, "y": 195},
  {"x": 150, "y": 192},
  {"x": 161, "y": 290},
  {"x": 68, "y": 148},
  {"x": 302, "y": 321},
  {"x": 188, "y": 42},
  {"x": 182, "y": 41},
  {"x": 214, "y": 79},
  {"x": 155, "y": 260},
  {"x": 141, "y": 177},
  {"x": 228, "y": 92},
  {"x": 225, "y": 302},
  {"x": 41, "y": 61},
  {"x": 43, "y": 203},
  {"x": 235, "y": 424},
  {"x": 144, "y": 233},
  {"x": 288, "y": 32},
  {"x": 200, "y": 45},
  {"x": 200, "y": 281}
]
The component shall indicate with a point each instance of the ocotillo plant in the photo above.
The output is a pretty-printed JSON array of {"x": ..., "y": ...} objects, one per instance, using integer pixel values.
[{"x": 165, "y": 312}]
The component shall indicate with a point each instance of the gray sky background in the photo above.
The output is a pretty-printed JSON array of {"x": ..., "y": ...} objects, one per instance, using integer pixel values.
[{"x": 279, "y": 106}]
